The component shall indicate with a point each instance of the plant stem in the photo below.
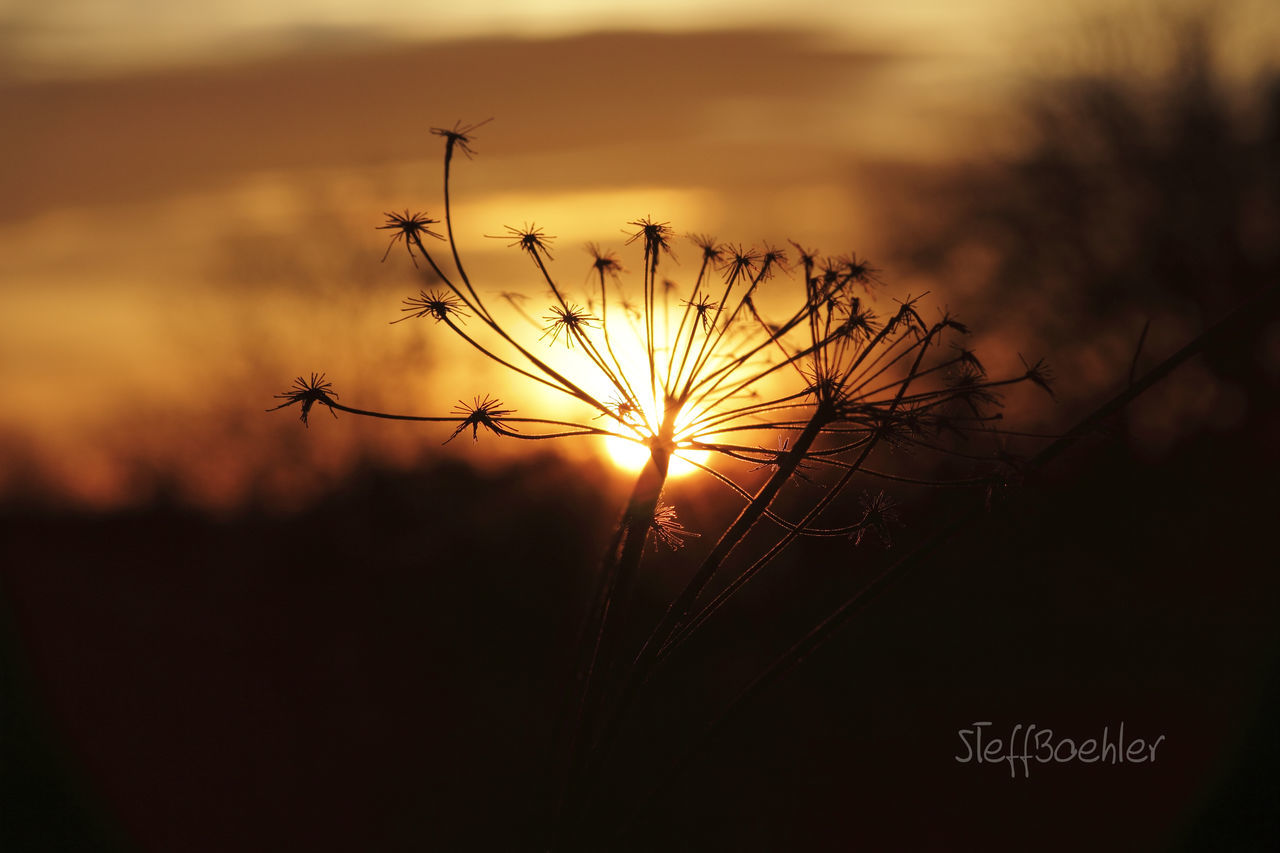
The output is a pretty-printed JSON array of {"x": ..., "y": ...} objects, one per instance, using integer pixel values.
[
  {"x": 747, "y": 518},
  {"x": 622, "y": 564},
  {"x": 638, "y": 672},
  {"x": 820, "y": 634}
]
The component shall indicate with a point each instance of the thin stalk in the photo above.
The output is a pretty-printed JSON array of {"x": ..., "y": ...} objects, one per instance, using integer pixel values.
[
  {"x": 621, "y": 569},
  {"x": 448, "y": 224},
  {"x": 822, "y": 633},
  {"x": 679, "y": 608},
  {"x": 792, "y": 534},
  {"x": 684, "y": 317},
  {"x": 568, "y": 386},
  {"x": 630, "y": 394}
]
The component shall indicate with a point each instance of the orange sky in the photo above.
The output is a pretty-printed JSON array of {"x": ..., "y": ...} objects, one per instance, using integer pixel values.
[
  {"x": 78, "y": 36},
  {"x": 189, "y": 202}
]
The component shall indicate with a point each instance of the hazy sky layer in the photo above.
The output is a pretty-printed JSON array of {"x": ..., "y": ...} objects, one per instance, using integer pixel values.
[
  {"x": 74, "y": 37},
  {"x": 82, "y": 35}
]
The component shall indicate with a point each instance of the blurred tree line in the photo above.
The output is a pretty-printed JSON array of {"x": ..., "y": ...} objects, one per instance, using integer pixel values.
[{"x": 1142, "y": 183}]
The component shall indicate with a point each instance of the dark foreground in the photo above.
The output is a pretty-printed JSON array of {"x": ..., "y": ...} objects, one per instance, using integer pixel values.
[{"x": 382, "y": 672}]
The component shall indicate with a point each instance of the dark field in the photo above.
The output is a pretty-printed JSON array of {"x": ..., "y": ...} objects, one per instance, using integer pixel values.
[{"x": 382, "y": 671}]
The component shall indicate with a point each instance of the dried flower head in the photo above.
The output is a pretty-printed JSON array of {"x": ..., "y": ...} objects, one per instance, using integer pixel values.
[
  {"x": 968, "y": 358},
  {"x": 703, "y": 311},
  {"x": 487, "y": 413},
  {"x": 1039, "y": 374},
  {"x": 436, "y": 303},
  {"x": 459, "y": 135},
  {"x": 878, "y": 512},
  {"x": 859, "y": 269},
  {"x": 570, "y": 321},
  {"x": 950, "y": 322},
  {"x": 308, "y": 392},
  {"x": 829, "y": 275},
  {"x": 968, "y": 385},
  {"x": 410, "y": 228},
  {"x": 739, "y": 263},
  {"x": 892, "y": 428},
  {"x": 655, "y": 235},
  {"x": 623, "y": 411},
  {"x": 712, "y": 251},
  {"x": 908, "y": 316},
  {"x": 860, "y": 322},
  {"x": 774, "y": 458},
  {"x": 603, "y": 261},
  {"x": 667, "y": 529},
  {"x": 823, "y": 383},
  {"x": 529, "y": 238},
  {"x": 807, "y": 258},
  {"x": 770, "y": 258}
]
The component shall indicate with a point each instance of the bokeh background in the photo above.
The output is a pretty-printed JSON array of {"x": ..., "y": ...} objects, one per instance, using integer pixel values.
[{"x": 227, "y": 632}]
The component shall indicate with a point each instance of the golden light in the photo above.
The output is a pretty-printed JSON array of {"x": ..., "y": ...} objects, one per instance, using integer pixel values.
[
  {"x": 631, "y": 456},
  {"x": 633, "y": 359}
]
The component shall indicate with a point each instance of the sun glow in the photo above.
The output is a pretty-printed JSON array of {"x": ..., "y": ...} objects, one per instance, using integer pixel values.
[
  {"x": 633, "y": 361},
  {"x": 632, "y": 456}
]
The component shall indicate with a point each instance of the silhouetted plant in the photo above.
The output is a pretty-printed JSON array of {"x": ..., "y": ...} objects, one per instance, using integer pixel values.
[{"x": 707, "y": 369}]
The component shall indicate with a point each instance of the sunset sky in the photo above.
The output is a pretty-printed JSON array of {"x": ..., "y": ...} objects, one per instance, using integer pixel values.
[
  {"x": 221, "y": 629},
  {"x": 190, "y": 193},
  {"x": 77, "y": 36}
]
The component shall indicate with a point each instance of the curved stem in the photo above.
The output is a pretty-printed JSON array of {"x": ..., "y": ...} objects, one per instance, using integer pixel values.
[
  {"x": 820, "y": 634},
  {"x": 621, "y": 568}
]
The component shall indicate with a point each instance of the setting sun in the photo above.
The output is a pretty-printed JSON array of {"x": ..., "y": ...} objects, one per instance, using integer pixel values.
[
  {"x": 575, "y": 426},
  {"x": 631, "y": 456}
]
